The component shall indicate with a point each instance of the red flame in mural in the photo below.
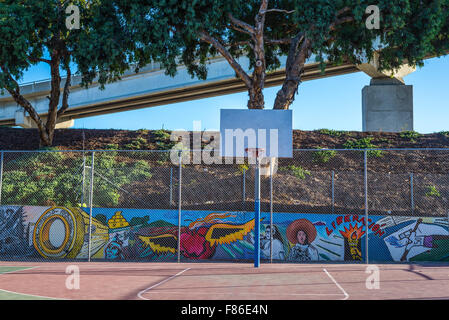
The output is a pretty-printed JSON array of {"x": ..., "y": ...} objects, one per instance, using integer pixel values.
[{"x": 353, "y": 232}]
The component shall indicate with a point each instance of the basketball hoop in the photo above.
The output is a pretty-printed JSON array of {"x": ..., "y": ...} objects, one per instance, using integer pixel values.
[{"x": 255, "y": 154}]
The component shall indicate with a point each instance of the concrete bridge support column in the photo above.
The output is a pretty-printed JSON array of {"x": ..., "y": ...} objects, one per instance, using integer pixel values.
[{"x": 387, "y": 105}]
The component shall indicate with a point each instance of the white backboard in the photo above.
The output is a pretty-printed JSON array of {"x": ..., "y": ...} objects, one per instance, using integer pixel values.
[{"x": 270, "y": 130}]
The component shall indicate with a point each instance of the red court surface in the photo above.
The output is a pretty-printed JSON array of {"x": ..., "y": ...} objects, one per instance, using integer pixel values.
[{"x": 223, "y": 281}]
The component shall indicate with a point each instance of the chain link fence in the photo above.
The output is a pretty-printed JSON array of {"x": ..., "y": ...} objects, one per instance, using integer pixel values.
[{"x": 321, "y": 205}]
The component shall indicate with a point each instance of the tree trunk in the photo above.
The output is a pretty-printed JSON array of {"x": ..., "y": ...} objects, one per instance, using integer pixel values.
[
  {"x": 46, "y": 138},
  {"x": 293, "y": 71},
  {"x": 256, "y": 98}
]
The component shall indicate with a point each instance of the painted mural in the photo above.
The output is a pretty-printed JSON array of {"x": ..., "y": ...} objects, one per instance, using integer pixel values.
[{"x": 153, "y": 235}]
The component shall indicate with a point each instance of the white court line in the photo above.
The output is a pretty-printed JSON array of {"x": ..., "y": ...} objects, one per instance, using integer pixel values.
[
  {"x": 336, "y": 283},
  {"x": 253, "y": 294},
  {"x": 12, "y": 271},
  {"x": 159, "y": 283},
  {"x": 31, "y": 295},
  {"x": 25, "y": 294}
]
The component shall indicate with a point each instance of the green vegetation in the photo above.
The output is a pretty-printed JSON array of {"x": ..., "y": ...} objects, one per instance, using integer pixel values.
[
  {"x": 298, "y": 171},
  {"x": 40, "y": 32},
  {"x": 432, "y": 191},
  {"x": 55, "y": 178},
  {"x": 410, "y": 135},
  {"x": 363, "y": 143},
  {"x": 162, "y": 139},
  {"x": 139, "y": 143},
  {"x": 445, "y": 133},
  {"x": 333, "y": 133},
  {"x": 243, "y": 167},
  {"x": 323, "y": 156},
  {"x": 383, "y": 140}
]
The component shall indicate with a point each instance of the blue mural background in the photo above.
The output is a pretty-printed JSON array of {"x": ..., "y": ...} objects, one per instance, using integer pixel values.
[{"x": 30, "y": 232}]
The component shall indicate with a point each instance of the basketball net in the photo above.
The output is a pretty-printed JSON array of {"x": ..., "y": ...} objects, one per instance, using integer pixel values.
[{"x": 267, "y": 166}]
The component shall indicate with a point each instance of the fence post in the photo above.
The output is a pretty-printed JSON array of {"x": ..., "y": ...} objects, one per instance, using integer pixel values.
[
  {"x": 366, "y": 204},
  {"x": 91, "y": 202},
  {"x": 1, "y": 175},
  {"x": 171, "y": 187},
  {"x": 411, "y": 193},
  {"x": 179, "y": 206},
  {"x": 333, "y": 191},
  {"x": 271, "y": 210},
  {"x": 244, "y": 190},
  {"x": 84, "y": 179}
]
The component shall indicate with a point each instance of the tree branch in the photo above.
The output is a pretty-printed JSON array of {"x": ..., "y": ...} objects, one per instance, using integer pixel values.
[
  {"x": 35, "y": 60},
  {"x": 204, "y": 36},
  {"x": 278, "y": 10},
  {"x": 339, "y": 22},
  {"x": 21, "y": 101},
  {"x": 66, "y": 92},
  {"x": 278, "y": 41},
  {"x": 238, "y": 23}
]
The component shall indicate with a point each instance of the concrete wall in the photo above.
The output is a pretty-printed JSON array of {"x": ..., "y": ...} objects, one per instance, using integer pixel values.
[{"x": 387, "y": 106}]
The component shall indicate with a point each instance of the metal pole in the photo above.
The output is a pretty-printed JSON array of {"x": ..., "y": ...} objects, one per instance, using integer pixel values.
[
  {"x": 333, "y": 191},
  {"x": 412, "y": 194},
  {"x": 257, "y": 215},
  {"x": 171, "y": 187},
  {"x": 271, "y": 210},
  {"x": 244, "y": 190},
  {"x": 366, "y": 205},
  {"x": 179, "y": 206},
  {"x": 91, "y": 202},
  {"x": 84, "y": 180},
  {"x": 1, "y": 175}
]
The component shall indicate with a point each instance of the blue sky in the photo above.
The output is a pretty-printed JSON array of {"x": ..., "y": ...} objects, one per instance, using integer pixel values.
[{"x": 333, "y": 103}]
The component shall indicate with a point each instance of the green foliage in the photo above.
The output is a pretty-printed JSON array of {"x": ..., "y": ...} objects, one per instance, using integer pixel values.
[
  {"x": 111, "y": 146},
  {"x": 243, "y": 167},
  {"x": 323, "y": 156},
  {"x": 55, "y": 178},
  {"x": 139, "y": 143},
  {"x": 163, "y": 142},
  {"x": 331, "y": 132},
  {"x": 445, "y": 133},
  {"x": 363, "y": 143},
  {"x": 35, "y": 32},
  {"x": 432, "y": 191},
  {"x": 298, "y": 171},
  {"x": 409, "y": 31},
  {"x": 410, "y": 135}
]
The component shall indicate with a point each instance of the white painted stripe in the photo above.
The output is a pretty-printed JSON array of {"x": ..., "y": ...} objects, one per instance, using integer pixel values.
[
  {"x": 252, "y": 294},
  {"x": 31, "y": 295},
  {"x": 24, "y": 294},
  {"x": 159, "y": 283},
  {"x": 336, "y": 283},
  {"x": 12, "y": 271}
]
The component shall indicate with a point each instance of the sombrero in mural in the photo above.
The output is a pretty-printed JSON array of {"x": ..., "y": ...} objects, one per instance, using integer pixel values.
[{"x": 304, "y": 225}]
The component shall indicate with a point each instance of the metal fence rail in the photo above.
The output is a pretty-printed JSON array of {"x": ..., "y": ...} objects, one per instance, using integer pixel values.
[{"x": 142, "y": 205}]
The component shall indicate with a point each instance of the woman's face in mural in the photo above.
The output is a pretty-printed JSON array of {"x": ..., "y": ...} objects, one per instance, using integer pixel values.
[
  {"x": 301, "y": 237},
  {"x": 112, "y": 251},
  {"x": 267, "y": 233}
]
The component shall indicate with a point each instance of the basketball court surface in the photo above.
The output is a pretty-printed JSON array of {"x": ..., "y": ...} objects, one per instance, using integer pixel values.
[{"x": 220, "y": 281}]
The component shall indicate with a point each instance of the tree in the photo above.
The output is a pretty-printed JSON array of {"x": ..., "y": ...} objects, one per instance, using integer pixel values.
[
  {"x": 334, "y": 31},
  {"x": 33, "y": 32}
]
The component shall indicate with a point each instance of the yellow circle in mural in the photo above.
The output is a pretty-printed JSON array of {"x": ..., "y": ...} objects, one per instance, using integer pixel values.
[
  {"x": 55, "y": 233},
  {"x": 50, "y": 234}
]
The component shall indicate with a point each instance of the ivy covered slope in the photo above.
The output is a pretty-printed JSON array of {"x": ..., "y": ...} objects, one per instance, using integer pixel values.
[
  {"x": 135, "y": 179},
  {"x": 98, "y": 139}
]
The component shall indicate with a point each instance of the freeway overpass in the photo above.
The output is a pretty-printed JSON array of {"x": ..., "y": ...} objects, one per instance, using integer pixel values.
[{"x": 151, "y": 87}]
